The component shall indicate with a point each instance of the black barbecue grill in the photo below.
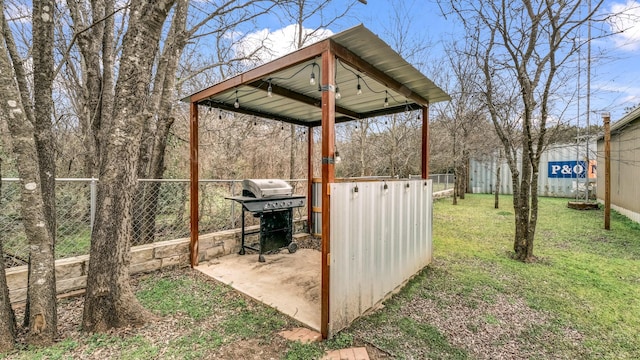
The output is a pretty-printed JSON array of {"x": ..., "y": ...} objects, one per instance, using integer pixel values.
[{"x": 271, "y": 200}]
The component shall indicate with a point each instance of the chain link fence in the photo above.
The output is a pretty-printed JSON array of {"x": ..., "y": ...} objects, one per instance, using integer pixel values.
[
  {"x": 160, "y": 212},
  {"x": 442, "y": 181}
]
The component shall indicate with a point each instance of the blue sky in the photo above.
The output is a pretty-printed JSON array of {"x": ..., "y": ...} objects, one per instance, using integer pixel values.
[{"x": 615, "y": 75}]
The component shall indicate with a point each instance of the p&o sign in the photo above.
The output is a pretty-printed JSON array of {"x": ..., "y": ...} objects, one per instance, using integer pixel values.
[{"x": 572, "y": 169}]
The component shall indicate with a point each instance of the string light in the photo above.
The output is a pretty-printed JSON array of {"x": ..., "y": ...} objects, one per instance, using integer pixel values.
[
  {"x": 312, "y": 78},
  {"x": 359, "y": 88},
  {"x": 338, "y": 95},
  {"x": 269, "y": 89},
  {"x": 386, "y": 98},
  {"x": 237, "y": 103}
]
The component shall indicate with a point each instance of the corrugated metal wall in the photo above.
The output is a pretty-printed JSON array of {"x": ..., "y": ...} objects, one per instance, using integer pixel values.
[
  {"x": 379, "y": 239},
  {"x": 483, "y": 173},
  {"x": 625, "y": 170}
]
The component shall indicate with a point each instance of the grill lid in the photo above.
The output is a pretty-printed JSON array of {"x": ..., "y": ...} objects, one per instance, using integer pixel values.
[{"x": 265, "y": 188}]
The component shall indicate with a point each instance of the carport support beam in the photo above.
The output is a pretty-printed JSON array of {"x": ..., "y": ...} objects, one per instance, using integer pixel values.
[
  {"x": 328, "y": 176},
  {"x": 193, "y": 198},
  {"x": 425, "y": 142}
]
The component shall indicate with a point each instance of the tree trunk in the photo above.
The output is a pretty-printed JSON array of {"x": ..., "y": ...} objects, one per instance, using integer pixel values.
[
  {"x": 110, "y": 301},
  {"x": 455, "y": 188},
  {"x": 161, "y": 104},
  {"x": 41, "y": 298},
  {"x": 40, "y": 314},
  {"x": 521, "y": 240},
  {"x": 7, "y": 318},
  {"x": 461, "y": 175}
]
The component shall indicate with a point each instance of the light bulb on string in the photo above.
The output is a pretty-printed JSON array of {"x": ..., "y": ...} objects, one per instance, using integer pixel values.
[
  {"x": 386, "y": 99},
  {"x": 312, "y": 77},
  {"x": 359, "y": 88},
  {"x": 269, "y": 89},
  {"x": 237, "y": 103},
  {"x": 338, "y": 95}
]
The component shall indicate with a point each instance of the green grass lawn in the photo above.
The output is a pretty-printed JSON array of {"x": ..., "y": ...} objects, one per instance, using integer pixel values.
[
  {"x": 582, "y": 296},
  {"x": 580, "y": 300}
]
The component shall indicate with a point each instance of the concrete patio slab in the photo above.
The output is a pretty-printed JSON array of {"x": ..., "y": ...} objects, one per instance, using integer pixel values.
[{"x": 287, "y": 282}]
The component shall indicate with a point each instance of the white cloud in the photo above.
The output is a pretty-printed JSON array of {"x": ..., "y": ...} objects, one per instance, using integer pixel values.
[
  {"x": 626, "y": 22},
  {"x": 265, "y": 45}
]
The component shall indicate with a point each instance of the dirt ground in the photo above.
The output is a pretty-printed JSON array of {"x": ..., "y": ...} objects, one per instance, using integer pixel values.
[{"x": 162, "y": 331}]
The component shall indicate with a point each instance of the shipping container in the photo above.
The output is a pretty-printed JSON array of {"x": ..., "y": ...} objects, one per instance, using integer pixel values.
[{"x": 565, "y": 171}]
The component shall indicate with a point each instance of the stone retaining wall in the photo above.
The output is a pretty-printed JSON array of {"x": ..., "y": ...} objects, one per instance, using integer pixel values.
[
  {"x": 71, "y": 273},
  {"x": 442, "y": 194}
]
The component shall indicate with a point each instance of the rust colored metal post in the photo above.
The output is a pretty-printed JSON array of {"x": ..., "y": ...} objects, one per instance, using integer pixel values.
[
  {"x": 310, "y": 179},
  {"x": 193, "y": 155},
  {"x": 607, "y": 171},
  {"x": 328, "y": 176},
  {"x": 425, "y": 142}
]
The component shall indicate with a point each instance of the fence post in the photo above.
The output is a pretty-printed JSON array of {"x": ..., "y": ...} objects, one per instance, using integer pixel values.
[
  {"x": 233, "y": 206},
  {"x": 93, "y": 201}
]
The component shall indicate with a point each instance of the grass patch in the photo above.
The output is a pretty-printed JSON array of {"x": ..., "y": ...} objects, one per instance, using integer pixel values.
[
  {"x": 587, "y": 278},
  {"x": 194, "y": 345},
  {"x": 257, "y": 323},
  {"x": 581, "y": 297},
  {"x": 167, "y": 296},
  {"x": 300, "y": 351},
  {"x": 57, "y": 351}
]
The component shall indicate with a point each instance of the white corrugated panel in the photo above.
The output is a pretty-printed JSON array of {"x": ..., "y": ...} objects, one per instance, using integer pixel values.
[
  {"x": 483, "y": 173},
  {"x": 379, "y": 239}
]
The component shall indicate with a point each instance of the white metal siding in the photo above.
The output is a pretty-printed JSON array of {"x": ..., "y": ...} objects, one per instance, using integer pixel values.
[
  {"x": 625, "y": 166},
  {"x": 483, "y": 173},
  {"x": 379, "y": 239}
]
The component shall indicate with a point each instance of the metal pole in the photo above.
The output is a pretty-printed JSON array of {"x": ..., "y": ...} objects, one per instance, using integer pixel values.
[
  {"x": 233, "y": 206},
  {"x": 607, "y": 171},
  {"x": 93, "y": 192},
  {"x": 586, "y": 178}
]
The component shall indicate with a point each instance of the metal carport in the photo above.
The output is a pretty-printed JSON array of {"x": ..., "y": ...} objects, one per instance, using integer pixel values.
[{"x": 373, "y": 81}]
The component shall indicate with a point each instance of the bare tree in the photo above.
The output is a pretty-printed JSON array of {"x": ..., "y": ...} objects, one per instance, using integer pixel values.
[
  {"x": 110, "y": 301},
  {"x": 465, "y": 118},
  {"x": 160, "y": 109},
  {"x": 94, "y": 80},
  {"x": 300, "y": 11},
  {"x": 524, "y": 45},
  {"x": 33, "y": 146}
]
